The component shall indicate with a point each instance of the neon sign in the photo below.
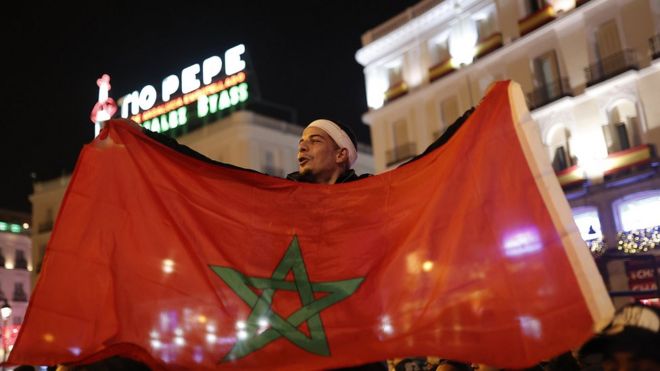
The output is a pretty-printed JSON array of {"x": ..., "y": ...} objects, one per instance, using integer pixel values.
[{"x": 202, "y": 83}]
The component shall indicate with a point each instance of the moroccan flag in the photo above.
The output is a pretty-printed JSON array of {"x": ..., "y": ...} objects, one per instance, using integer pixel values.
[{"x": 469, "y": 253}]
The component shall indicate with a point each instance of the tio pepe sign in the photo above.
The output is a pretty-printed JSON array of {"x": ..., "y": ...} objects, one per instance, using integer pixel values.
[{"x": 190, "y": 79}]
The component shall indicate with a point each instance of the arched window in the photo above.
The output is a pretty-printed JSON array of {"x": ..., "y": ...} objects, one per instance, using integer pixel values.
[
  {"x": 586, "y": 218},
  {"x": 638, "y": 210},
  {"x": 557, "y": 140},
  {"x": 622, "y": 130}
]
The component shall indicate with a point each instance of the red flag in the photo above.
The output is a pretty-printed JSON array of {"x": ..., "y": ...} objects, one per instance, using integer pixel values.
[{"x": 469, "y": 253}]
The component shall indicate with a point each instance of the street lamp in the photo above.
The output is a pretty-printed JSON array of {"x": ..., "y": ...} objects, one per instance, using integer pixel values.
[{"x": 5, "y": 313}]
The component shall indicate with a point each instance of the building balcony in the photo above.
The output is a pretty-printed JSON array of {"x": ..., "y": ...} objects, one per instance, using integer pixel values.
[
  {"x": 400, "y": 153},
  {"x": 627, "y": 160},
  {"x": 654, "y": 44},
  {"x": 536, "y": 20},
  {"x": 395, "y": 91},
  {"x": 571, "y": 176},
  {"x": 611, "y": 66},
  {"x": 549, "y": 93},
  {"x": 616, "y": 164},
  {"x": 489, "y": 44},
  {"x": 441, "y": 69}
]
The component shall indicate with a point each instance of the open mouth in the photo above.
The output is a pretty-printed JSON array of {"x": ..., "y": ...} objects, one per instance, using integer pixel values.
[{"x": 302, "y": 161}]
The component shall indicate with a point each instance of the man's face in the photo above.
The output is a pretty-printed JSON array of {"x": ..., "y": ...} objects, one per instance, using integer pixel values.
[{"x": 317, "y": 154}]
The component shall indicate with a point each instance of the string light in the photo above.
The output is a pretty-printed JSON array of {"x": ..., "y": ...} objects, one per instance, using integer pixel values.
[
  {"x": 597, "y": 246},
  {"x": 639, "y": 240}
]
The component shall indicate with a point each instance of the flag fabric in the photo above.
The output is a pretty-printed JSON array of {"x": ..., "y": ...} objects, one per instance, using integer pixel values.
[{"x": 468, "y": 253}]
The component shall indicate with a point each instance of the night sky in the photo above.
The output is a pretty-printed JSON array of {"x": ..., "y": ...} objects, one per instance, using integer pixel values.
[{"x": 302, "y": 53}]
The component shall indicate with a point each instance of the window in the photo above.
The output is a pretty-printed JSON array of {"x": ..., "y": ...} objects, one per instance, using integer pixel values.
[
  {"x": 270, "y": 162},
  {"x": 638, "y": 211},
  {"x": 21, "y": 262},
  {"x": 449, "y": 110},
  {"x": 533, "y": 6},
  {"x": 608, "y": 42},
  {"x": 438, "y": 51},
  {"x": 402, "y": 146},
  {"x": 588, "y": 223},
  {"x": 19, "y": 292},
  {"x": 621, "y": 131},
  {"x": 546, "y": 76}
]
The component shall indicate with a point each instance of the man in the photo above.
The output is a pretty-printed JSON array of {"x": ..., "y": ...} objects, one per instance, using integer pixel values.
[
  {"x": 630, "y": 342},
  {"x": 327, "y": 152}
]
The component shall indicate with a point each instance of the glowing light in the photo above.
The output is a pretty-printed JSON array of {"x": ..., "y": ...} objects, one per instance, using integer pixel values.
[
  {"x": 210, "y": 328},
  {"x": 154, "y": 334},
  {"x": 463, "y": 40},
  {"x": 156, "y": 344},
  {"x": 75, "y": 351},
  {"x": 26, "y": 226},
  {"x": 562, "y": 5},
  {"x": 178, "y": 331},
  {"x": 9, "y": 265},
  {"x": 530, "y": 326},
  {"x": 587, "y": 222},
  {"x": 522, "y": 243},
  {"x": 201, "y": 318},
  {"x": 198, "y": 356},
  {"x": 15, "y": 228},
  {"x": 386, "y": 325},
  {"x": 427, "y": 266},
  {"x": 211, "y": 338},
  {"x": 639, "y": 213},
  {"x": 233, "y": 61},
  {"x": 179, "y": 340},
  {"x": 241, "y": 325},
  {"x": 242, "y": 335},
  {"x": 168, "y": 266},
  {"x": 263, "y": 322},
  {"x": 49, "y": 337}
]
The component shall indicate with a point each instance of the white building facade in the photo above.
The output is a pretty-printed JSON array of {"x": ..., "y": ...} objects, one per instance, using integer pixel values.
[
  {"x": 591, "y": 73},
  {"x": 15, "y": 267}
]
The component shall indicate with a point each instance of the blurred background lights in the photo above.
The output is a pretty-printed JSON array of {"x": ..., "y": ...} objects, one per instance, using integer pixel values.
[
  {"x": 427, "y": 266},
  {"x": 178, "y": 340},
  {"x": 241, "y": 334},
  {"x": 211, "y": 338},
  {"x": 168, "y": 266},
  {"x": 240, "y": 325}
]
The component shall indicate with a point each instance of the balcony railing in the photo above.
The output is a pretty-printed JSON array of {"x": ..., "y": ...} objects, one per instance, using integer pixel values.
[
  {"x": 441, "y": 69},
  {"x": 395, "y": 91},
  {"x": 401, "y": 153},
  {"x": 615, "y": 163},
  {"x": 548, "y": 93},
  {"x": 627, "y": 159},
  {"x": 489, "y": 44},
  {"x": 654, "y": 44},
  {"x": 571, "y": 176},
  {"x": 536, "y": 20},
  {"x": 611, "y": 66}
]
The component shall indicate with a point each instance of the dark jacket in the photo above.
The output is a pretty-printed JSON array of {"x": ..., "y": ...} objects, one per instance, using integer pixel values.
[{"x": 348, "y": 176}]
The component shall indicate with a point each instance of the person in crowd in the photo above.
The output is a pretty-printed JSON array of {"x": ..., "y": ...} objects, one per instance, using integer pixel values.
[{"x": 630, "y": 342}]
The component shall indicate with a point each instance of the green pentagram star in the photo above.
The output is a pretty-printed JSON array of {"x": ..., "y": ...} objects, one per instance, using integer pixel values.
[{"x": 261, "y": 305}]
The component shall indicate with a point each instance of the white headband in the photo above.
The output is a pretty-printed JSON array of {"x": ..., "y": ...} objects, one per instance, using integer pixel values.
[{"x": 338, "y": 135}]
